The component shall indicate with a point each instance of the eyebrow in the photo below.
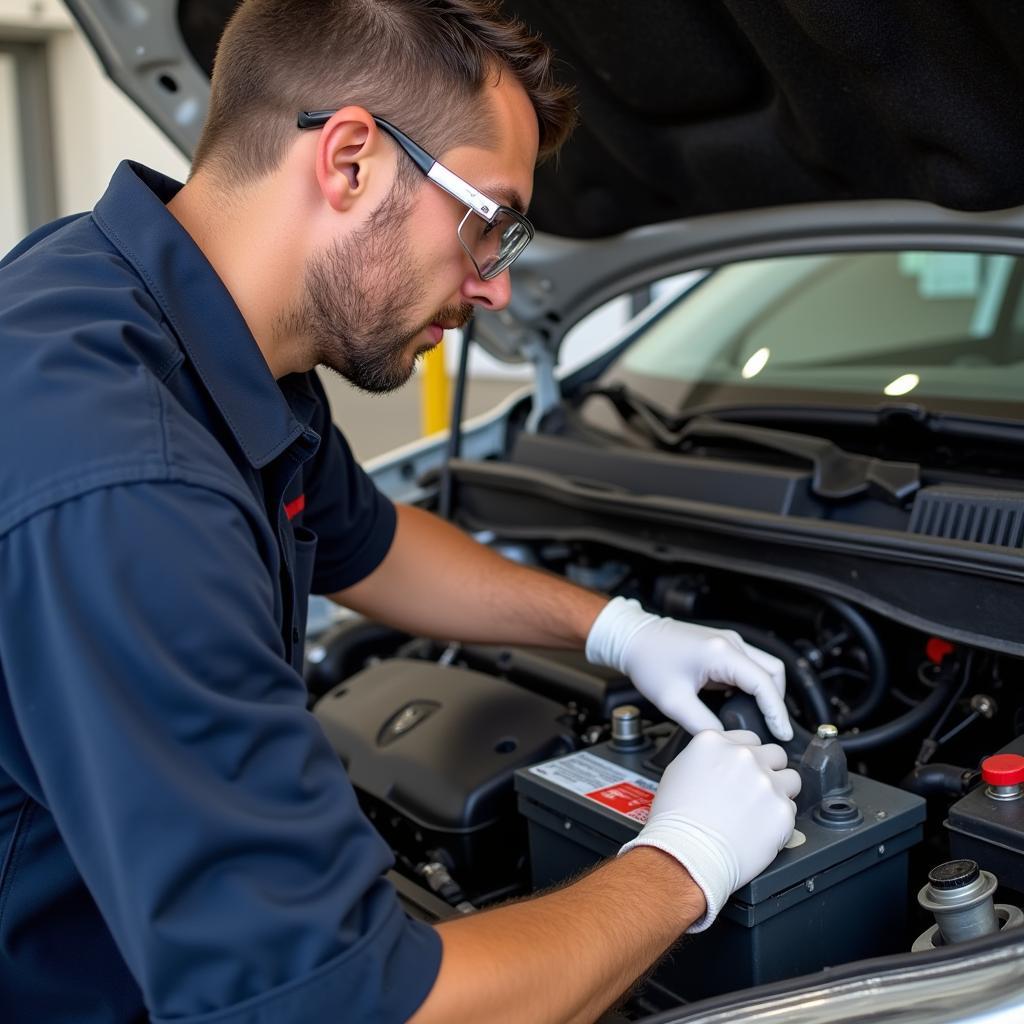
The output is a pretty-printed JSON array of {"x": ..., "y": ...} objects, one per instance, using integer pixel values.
[{"x": 506, "y": 196}]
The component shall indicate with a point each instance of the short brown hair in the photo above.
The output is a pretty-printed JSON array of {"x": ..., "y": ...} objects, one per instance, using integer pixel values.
[{"x": 421, "y": 64}]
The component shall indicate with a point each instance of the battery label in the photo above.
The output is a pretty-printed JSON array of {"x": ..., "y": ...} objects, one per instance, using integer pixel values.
[
  {"x": 604, "y": 782},
  {"x": 626, "y": 798}
]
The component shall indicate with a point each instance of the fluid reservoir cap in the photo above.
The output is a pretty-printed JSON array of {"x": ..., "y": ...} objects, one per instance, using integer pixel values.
[
  {"x": 954, "y": 874},
  {"x": 1003, "y": 770}
]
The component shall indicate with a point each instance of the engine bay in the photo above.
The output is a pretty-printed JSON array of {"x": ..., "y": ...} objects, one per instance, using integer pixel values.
[{"x": 494, "y": 772}]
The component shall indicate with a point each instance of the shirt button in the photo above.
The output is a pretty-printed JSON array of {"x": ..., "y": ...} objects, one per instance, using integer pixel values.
[{"x": 295, "y": 634}]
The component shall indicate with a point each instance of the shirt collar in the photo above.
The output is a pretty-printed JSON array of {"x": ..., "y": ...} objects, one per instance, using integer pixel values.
[{"x": 133, "y": 214}]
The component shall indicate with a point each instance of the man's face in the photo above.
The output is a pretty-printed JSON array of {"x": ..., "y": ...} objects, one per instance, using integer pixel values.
[
  {"x": 379, "y": 298},
  {"x": 362, "y": 298}
]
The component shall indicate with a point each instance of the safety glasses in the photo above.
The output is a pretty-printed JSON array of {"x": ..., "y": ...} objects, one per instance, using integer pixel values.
[{"x": 492, "y": 235}]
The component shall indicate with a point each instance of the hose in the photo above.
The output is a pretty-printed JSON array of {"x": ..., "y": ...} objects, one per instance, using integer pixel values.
[
  {"x": 878, "y": 666},
  {"x": 912, "y": 720},
  {"x": 809, "y": 691},
  {"x": 939, "y": 780}
]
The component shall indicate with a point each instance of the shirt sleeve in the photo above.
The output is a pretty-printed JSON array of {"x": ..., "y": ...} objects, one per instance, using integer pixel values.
[
  {"x": 203, "y": 806},
  {"x": 354, "y": 522}
]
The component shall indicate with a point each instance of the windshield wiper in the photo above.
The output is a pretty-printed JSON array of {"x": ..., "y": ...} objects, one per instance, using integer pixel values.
[
  {"x": 665, "y": 428},
  {"x": 655, "y": 423},
  {"x": 837, "y": 474}
]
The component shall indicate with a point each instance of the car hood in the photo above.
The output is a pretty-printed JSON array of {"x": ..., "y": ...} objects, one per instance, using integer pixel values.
[{"x": 695, "y": 108}]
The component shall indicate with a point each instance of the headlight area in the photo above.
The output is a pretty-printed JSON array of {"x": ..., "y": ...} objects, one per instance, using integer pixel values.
[{"x": 494, "y": 772}]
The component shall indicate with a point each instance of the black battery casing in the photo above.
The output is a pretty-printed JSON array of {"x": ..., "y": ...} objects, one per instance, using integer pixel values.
[
  {"x": 840, "y": 896},
  {"x": 991, "y": 831}
]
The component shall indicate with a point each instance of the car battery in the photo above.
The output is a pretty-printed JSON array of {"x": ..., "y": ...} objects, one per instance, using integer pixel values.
[
  {"x": 987, "y": 825},
  {"x": 837, "y": 893}
]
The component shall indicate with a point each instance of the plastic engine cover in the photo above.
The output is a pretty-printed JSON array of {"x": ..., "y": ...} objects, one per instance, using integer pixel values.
[{"x": 439, "y": 745}]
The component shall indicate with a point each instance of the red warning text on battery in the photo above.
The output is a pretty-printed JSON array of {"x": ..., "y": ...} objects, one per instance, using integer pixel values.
[{"x": 625, "y": 798}]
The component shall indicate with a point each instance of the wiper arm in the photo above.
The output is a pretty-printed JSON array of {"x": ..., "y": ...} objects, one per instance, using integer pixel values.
[
  {"x": 838, "y": 474},
  {"x": 658, "y": 425},
  {"x": 664, "y": 427},
  {"x": 979, "y": 440}
]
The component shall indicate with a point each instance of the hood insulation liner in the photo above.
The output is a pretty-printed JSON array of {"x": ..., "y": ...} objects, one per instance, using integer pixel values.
[{"x": 694, "y": 107}]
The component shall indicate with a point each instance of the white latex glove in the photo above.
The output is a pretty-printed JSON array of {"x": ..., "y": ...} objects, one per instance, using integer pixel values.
[
  {"x": 669, "y": 661},
  {"x": 724, "y": 809}
]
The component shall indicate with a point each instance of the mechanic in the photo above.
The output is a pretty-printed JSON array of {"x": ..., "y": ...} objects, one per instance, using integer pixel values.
[{"x": 178, "y": 840}]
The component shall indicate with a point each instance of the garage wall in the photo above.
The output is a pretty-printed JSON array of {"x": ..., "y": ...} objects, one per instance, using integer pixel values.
[
  {"x": 93, "y": 125},
  {"x": 12, "y": 204}
]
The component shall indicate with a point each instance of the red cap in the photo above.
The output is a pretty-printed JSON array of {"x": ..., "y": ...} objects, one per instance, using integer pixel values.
[
  {"x": 937, "y": 650},
  {"x": 1003, "y": 770}
]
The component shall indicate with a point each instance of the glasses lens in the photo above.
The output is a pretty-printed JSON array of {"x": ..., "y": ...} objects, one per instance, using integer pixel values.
[{"x": 495, "y": 244}]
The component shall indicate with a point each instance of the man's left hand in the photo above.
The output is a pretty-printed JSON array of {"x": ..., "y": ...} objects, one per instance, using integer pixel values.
[{"x": 670, "y": 661}]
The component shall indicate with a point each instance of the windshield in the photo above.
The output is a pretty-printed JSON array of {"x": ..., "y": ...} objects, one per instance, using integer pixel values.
[{"x": 940, "y": 329}]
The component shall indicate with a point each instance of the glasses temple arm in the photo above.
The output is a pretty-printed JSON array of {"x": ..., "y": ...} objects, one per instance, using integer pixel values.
[{"x": 419, "y": 156}]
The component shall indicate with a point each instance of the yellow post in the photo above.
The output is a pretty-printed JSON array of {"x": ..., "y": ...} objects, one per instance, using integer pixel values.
[{"x": 434, "y": 401}]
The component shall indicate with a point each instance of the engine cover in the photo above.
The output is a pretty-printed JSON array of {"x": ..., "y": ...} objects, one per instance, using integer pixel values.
[{"x": 432, "y": 751}]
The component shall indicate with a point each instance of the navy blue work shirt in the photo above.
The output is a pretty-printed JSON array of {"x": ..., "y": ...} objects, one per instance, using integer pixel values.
[{"x": 177, "y": 838}]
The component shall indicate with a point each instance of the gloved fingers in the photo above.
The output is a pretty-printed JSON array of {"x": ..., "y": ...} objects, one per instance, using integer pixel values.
[
  {"x": 771, "y": 756},
  {"x": 776, "y": 716},
  {"x": 729, "y": 634},
  {"x": 772, "y": 665},
  {"x": 733, "y": 666},
  {"x": 789, "y": 829},
  {"x": 742, "y": 738},
  {"x": 787, "y": 782},
  {"x": 689, "y": 711}
]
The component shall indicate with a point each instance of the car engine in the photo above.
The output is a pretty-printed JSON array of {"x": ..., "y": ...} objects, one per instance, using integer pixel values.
[{"x": 497, "y": 771}]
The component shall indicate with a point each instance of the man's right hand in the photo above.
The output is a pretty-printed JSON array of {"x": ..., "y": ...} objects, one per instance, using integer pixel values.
[{"x": 724, "y": 809}]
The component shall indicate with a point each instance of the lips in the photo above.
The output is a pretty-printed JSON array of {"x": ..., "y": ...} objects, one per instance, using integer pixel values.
[{"x": 450, "y": 318}]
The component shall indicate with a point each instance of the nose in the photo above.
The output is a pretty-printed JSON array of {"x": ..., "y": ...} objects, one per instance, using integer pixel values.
[{"x": 493, "y": 294}]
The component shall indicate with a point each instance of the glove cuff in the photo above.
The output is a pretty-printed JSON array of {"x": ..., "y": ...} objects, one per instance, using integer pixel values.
[
  {"x": 610, "y": 635},
  {"x": 702, "y": 851}
]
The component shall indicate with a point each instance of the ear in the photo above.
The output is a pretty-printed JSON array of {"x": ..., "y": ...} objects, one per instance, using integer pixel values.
[{"x": 348, "y": 151}]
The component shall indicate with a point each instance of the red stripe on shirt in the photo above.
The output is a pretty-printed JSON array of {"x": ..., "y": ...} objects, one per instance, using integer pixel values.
[{"x": 293, "y": 508}]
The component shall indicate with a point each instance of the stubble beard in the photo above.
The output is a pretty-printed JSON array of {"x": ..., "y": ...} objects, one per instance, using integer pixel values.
[{"x": 357, "y": 291}]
